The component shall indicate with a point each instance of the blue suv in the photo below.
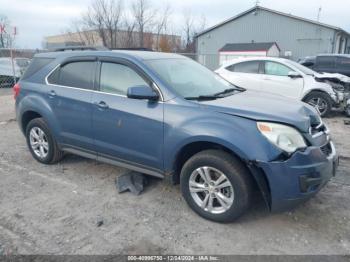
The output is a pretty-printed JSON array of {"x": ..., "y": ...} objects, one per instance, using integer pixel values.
[{"x": 167, "y": 116}]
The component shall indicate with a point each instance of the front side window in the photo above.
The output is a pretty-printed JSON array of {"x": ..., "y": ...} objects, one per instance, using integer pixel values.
[
  {"x": 251, "y": 67},
  {"x": 117, "y": 78},
  {"x": 75, "y": 74},
  {"x": 276, "y": 69}
]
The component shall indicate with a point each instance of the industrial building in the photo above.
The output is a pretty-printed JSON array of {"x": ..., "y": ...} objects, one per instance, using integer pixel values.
[{"x": 295, "y": 37}]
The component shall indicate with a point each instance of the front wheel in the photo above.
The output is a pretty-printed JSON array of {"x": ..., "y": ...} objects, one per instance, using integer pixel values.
[
  {"x": 321, "y": 101},
  {"x": 216, "y": 185}
]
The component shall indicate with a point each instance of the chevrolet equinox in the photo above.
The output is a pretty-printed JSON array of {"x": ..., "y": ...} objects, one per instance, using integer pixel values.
[{"x": 167, "y": 116}]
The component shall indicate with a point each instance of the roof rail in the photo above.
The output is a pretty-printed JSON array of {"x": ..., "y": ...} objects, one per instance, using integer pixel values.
[
  {"x": 133, "y": 49},
  {"x": 80, "y": 48}
]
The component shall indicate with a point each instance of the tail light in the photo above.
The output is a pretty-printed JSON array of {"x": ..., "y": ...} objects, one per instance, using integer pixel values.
[{"x": 16, "y": 90}]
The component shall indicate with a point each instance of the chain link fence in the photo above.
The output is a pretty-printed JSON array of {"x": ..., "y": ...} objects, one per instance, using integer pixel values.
[{"x": 12, "y": 65}]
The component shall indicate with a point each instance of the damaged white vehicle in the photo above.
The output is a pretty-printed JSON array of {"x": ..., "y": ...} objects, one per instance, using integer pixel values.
[{"x": 324, "y": 91}]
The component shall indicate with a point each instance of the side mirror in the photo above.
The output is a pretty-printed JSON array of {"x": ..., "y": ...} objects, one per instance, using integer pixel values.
[
  {"x": 294, "y": 75},
  {"x": 308, "y": 64},
  {"x": 142, "y": 92}
]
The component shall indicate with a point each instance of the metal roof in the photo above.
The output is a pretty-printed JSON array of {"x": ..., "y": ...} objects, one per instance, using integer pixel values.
[
  {"x": 256, "y": 8},
  {"x": 247, "y": 47}
]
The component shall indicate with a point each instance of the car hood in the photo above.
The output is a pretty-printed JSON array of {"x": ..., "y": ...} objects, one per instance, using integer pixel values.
[
  {"x": 333, "y": 76},
  {"x": 266, "y": 107}
]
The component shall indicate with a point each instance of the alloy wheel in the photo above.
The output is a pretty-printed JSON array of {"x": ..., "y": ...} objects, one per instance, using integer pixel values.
[
  {"x": 211, "y": 190},
  {"x": 39, "y": 142},
  {"x": 319, "y": 103}
]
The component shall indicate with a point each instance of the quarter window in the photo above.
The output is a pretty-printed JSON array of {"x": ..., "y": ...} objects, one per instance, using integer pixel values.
[
  {"x": 75, "y": 74},
  {"x": 277, "y": 69},
  {"x": 251, "y": 67},
  {"x": 117, "y": 78}
]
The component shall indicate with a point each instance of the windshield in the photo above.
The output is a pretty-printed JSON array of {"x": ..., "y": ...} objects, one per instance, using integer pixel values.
[
  {"x": 189, "y": 78},
  {"x": 303, "y": 69}
]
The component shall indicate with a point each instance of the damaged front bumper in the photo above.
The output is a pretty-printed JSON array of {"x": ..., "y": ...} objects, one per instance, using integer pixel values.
[{"x": 295, "y": 180}]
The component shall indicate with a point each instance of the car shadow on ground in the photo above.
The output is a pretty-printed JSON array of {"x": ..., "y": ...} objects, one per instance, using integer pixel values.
[{"x": 258, "y": 209}]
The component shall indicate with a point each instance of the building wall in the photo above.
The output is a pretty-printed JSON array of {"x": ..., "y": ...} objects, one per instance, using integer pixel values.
[
  {"x": 92, "y": 38},
  {"x": 299, "y": 37}
]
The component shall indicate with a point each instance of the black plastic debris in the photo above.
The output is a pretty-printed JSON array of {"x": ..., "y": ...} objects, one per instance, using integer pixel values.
[
  {"x": 99, "y": 223},
  {"x": 132, "y": 181},
  {"x": 347, "y": 122}
]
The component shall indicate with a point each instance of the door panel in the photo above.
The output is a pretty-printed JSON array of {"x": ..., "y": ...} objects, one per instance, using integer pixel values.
[
  {"x": 73, "y": 110},
  {"x": 127, "y": 129},
  {"x": 70, "y": 93},
  {"x": 244, "y": 74}
]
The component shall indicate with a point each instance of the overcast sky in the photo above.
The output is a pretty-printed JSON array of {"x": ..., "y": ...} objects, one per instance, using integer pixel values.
[{"x": 36, "y": 19}]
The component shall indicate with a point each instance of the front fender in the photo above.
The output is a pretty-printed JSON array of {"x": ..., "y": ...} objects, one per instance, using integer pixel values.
[{"x": 239, "y": 135}]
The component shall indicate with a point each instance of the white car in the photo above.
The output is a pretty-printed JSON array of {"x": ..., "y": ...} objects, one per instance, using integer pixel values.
[{"x": 288, "y": 78}]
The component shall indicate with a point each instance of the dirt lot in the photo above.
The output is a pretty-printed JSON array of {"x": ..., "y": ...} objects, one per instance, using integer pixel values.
[{"x": 55, "y": 210}]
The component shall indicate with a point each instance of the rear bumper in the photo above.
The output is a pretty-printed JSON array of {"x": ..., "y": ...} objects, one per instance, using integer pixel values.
[{"x": 297, "y": 179}]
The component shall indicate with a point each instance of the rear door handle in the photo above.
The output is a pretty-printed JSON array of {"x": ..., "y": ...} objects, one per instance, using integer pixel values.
[
  {"x": 102, "y": 104},
  {"x": 52, "y": 93}
]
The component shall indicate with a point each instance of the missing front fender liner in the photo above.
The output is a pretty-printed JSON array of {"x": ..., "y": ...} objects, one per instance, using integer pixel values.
[{"x": 261, "y": 181}]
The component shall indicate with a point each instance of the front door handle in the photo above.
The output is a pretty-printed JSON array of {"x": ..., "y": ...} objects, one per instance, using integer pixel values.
[
  {"x": 52, "y": 93},
  {"x": 102, "y": 104}
]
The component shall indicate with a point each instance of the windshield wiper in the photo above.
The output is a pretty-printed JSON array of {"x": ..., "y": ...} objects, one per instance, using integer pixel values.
[
  {"x": 226, "y": 91},
  {"x": 216, "y": 95},
  {"x": 204, "y": 97}
]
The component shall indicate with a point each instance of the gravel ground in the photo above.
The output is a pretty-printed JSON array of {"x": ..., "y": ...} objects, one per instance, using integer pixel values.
[{"x": 59, "y": 209}]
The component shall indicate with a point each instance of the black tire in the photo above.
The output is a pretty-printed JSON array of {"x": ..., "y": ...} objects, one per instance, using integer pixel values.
[
  {"x": 347, "y": 111},
  {"x": 54, "y": 154},
  {"x": 235, "y": 171},
  {"x": 324, "y": 97}
]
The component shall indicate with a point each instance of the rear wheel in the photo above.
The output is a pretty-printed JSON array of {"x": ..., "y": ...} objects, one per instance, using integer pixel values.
[
  {"x": 216, "y": 185},
  {"x": 41, "y": 143},
  {"x": 321, "y": 101}
]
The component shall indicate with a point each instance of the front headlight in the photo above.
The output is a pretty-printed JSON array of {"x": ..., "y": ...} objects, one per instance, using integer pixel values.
[{"x": 285, "y": 137}]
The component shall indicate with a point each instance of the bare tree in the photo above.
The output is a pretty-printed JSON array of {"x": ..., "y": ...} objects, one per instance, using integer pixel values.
[
  {"x": 127, "y": 37},
  {"x": 143, "y": 15},
  {"x": 191, "y": 28},
  {"x": 188, "y": 29},
  {"x": 6, "y": 37},
  {"x": 201, "y": 24},
  {"x": 78, "y": 31},
  {"x": 161, "y": 24},
  {"x": 105, "y": 17}
]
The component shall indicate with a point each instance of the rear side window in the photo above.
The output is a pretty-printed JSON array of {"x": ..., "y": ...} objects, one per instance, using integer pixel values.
[
  {"x": 117, "y": 78},
  {"x": 75, "y": 74},
  {"x": 36, "y": 64},
  {"x": 251, "y": 67},
  {"x": 326, "y": 61}
]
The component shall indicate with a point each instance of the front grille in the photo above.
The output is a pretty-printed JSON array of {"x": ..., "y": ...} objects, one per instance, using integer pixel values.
[{"x": 327, "y": 149}]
